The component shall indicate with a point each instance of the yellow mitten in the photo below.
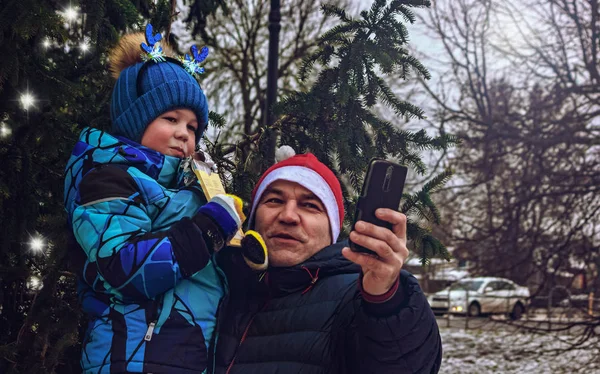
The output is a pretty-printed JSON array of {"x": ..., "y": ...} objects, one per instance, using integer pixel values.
[
  {"x": 220, "y": 219},
  {"x": 254, "y": 251},
  {"x": 239, "y": 206}
]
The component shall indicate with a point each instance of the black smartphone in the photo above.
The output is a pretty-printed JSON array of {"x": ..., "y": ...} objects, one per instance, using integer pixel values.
[{"x": 382, "y": 188}]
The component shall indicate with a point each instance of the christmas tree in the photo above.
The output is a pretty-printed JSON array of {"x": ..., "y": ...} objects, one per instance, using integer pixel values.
[
  {"x": 335, "y": 118},
  {"x": 54, "y": 81}
]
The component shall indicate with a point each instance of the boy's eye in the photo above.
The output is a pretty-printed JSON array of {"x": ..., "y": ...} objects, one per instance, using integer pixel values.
[
  {"x": 192, "y": 128},
  {"x": 170, "y": 119}
]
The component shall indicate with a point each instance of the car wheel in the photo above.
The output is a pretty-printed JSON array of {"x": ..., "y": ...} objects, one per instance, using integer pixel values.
[
  {"x": 474, "y": 310},
  {"x": 517, "y": 311}
]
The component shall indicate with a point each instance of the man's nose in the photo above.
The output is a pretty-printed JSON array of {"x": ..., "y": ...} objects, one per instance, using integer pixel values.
[{"x": 289, "y": 213}]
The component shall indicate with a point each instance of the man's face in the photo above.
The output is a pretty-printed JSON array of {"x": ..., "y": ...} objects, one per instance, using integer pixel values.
[
  {"x": 293, "y": 222},
  {"x": 173, "y": 133}
]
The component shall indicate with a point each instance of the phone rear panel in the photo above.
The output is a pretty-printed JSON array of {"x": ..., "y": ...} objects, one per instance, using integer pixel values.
[{"x": 382, "y": 188}]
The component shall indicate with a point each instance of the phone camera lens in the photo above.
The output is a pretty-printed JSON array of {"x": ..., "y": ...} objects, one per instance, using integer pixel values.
[{"x": 388, "y": 179}]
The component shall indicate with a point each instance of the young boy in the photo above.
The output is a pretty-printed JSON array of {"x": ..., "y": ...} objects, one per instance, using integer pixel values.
[{"x": 148, "y": 283}]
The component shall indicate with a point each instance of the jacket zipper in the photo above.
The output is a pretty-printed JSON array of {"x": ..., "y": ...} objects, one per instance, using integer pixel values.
[
  {"x": 213, "y": 343},
  {"x": 211, "y": 364},
  {"x": 156, "y": 306},
  {"x": 150, "y": 331},
  {"x": 239, "y": 345},
  {"x": 244, "y": 336}
]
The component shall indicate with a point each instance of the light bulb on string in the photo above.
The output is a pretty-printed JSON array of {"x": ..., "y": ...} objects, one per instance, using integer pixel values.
[
  {"x": 34, "y": 283},
  {"x": 5, "y": 131},
  {"x": 71, "y": 14},
  {"x": 46, "y": 43},
  {"x": 37, "y": 244},
  {"x": 27, "y": 100},
  {"x": 84, "y": 46}
]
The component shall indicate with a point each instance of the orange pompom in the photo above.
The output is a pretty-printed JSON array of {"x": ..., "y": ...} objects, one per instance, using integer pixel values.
[{"x": 128, "y": 52}]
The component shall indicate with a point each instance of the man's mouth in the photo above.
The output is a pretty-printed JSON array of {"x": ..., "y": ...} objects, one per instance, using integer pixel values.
[{"x": 284, "y": 236}]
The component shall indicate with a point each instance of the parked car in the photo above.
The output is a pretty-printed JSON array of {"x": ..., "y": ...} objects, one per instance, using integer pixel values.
[{"x": 482, "y": 295}]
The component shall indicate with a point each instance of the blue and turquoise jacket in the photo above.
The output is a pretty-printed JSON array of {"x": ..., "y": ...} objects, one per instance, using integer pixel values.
[{"x": 148, "y": 281}]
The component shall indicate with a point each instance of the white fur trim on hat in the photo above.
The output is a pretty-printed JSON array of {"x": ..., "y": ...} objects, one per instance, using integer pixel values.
[{"x": 312, "y": 181}]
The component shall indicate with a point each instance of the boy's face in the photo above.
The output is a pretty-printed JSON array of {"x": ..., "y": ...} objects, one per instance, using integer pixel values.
[{"x": 173, "y": 133}]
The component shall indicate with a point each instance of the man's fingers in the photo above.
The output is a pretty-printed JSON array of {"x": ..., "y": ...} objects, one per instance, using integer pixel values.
[
  {"x": 379, "y": 246},
  {"x": 370, "y": 263},
  {"x": 397, "y": 219},
  {"x": 380, "y": 233},
  {"x": 362, "y": 259}
]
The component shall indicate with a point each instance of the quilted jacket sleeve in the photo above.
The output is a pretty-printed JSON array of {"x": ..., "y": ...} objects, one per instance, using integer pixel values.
[
  {"x": 112, "y": 225},
  {"x": 400, "y": 335}
]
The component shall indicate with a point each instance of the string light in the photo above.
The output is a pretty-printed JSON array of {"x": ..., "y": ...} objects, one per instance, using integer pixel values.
[
  {"x": 27, "y": 100},
  {"x": 5, "y": 131},
  {"x": 46, "y": 43},
  {"x": 37, "y": 244},
  {"x": 71, "y": 13},
  {"x": 84, "y": 46},
  {"x": 34, "y": 283}
]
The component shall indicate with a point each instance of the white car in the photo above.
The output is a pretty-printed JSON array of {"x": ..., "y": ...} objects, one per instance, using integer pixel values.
[{"x": 482, "y": 295}]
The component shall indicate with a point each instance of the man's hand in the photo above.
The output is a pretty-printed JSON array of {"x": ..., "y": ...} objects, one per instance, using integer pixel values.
[{"x": 380, "y": 272}]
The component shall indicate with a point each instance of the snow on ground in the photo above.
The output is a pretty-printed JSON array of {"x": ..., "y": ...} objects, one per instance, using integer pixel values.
[{"x": 488, "y": 351}]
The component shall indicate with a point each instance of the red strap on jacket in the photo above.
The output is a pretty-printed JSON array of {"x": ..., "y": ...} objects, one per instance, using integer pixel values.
[{"x": 313, "y": 279}]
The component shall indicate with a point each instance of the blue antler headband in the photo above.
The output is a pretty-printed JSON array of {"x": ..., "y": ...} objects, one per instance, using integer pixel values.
[
  {"x": 154, "y": 52},
  {"x": 192, "y": 64}
]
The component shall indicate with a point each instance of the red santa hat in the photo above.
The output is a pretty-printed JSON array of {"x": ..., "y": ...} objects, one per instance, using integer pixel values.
[{"x": 310, "y": 173}]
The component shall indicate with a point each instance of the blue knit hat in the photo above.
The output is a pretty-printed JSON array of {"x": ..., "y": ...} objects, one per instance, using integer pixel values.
[{"x": 148, "y": 89}]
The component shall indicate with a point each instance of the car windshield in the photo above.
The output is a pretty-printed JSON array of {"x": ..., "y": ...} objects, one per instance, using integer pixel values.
[{"x": 467, "y": 285}]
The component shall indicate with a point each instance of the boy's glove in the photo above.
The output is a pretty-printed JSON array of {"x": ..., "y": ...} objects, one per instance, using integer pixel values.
[
  {"x": 254, "y": 251},
  {"x": 220, "y": 219}
]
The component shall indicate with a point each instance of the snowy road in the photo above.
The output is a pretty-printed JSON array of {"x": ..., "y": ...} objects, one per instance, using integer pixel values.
[
  {"x": 480, "y": 351},
  {"x": 499, "y": 322}
]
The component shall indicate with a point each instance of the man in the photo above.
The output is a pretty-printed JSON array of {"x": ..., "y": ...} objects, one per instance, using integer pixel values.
[{"x": 321, "y": 308}]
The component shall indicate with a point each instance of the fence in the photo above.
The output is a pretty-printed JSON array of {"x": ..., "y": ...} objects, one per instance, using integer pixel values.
[{"x": 567, "y": 306}]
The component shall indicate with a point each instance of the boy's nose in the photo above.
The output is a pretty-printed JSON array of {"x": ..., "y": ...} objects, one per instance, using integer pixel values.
[{"x": 182, "y": 133}]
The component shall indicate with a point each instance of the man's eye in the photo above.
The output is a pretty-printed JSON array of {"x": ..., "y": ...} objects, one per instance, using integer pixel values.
[
  {"x": 273, "y": 200},
  {"x": 312, "y": 206}
]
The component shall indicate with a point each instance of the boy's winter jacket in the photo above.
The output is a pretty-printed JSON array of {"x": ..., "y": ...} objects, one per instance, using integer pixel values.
[{"x": 148, "y": 282}]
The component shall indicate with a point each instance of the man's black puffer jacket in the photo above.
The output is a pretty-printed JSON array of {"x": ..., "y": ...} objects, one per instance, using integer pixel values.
[{"x": 312, "y": 318}]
